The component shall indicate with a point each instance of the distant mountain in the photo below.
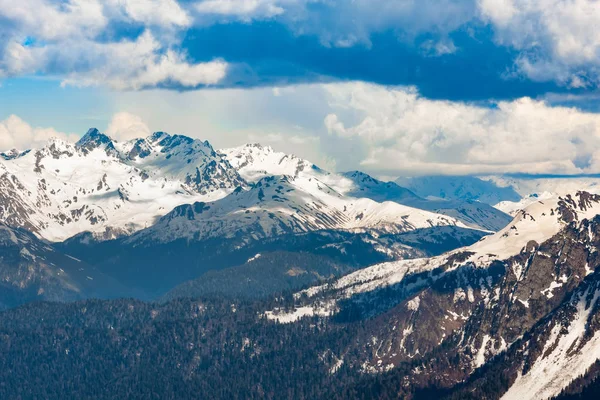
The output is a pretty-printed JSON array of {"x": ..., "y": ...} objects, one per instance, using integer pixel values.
[
  {"x": 459, "y": 188},
  {"x": 278, "y": 205},
  {"x": 472, "y": 213},
  {"x": 527, "y": 185},
  {"x": 32, "y": 270}
]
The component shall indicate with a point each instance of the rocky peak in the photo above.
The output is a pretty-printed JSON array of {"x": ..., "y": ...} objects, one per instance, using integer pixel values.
[
  {"x": 361, "y": 177},
  {"x": 158, "y": 136},
  {"x": 258, "y": 146},
  {"x": 12, "y": 154},
  {"x": 141, "y": 148},
  {"x": 94, "y": 139}
]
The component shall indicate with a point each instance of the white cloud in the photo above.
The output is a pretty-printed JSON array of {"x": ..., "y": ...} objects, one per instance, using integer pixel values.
[
  {"x": 75, "y": 41},
  {"x": 126, "y": 126},
  {"x": 243, "y": 9},
  {"x": 406, "y": 133},
  {"x": 51, "y": 21},
  {"x": 334, "y": 126},
  {"x": 382, "y": 130},
  {"x": 558, "y": 39},
  {"x": 122, "y": 65},
  {"x": 18, "y": 134},
  {"x": 154, "y": 12}
]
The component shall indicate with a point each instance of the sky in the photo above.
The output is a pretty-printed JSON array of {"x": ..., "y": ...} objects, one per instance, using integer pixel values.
[{"x": 391, "y": 87}]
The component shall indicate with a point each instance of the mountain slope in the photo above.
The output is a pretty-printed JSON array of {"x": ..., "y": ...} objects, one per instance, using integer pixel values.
[
  {"x": 516, "y": 312},
  {"x": 204, "y": 236},
  {"x": 280, "y": 204},
  {"x": 264, "y": 274},
  {"x": 457, "y": 311},
  {"x": 537, "y": 223},
  {"x": 32, "y": 270}
]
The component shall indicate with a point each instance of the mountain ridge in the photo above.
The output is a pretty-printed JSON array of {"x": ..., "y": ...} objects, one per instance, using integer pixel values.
[{"x": 113, "y": 188}]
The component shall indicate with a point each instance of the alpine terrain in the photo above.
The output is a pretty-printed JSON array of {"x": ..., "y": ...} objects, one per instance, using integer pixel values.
[{"x": 162, "y": 265}]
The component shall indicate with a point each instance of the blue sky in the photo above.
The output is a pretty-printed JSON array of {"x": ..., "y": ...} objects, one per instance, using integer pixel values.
[{"x": 393, "y": 87}]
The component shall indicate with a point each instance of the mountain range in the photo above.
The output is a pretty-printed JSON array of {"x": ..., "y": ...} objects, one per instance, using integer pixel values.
[
  {"x": 251, "y": 260},
  {"x": 133, "y": 208}
]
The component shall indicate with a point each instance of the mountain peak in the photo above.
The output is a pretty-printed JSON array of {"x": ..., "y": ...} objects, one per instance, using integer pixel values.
[
  {"x": 169, "y": 142},
  {"x": 258, "y": 146},
  {"x": 12, "y": 154},
  {"x": 94, "y": 139},
  {"x": 158, "y": 136},
  {"x": 359, "y": 176}
]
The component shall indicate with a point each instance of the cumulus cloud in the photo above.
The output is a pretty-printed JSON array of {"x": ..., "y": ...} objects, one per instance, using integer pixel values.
[
  {"x": 243, "y": 9},
  {"x": 154, "y": 12},
  {"x": 18, "y": 134},
  {"x": 127, "y": 126},
  {"x": 408, "y": 134},
  {"x": 122, "y": 65},
  {"x": 343, "y": 24},
  {"x": 558, "y": 39},
  {"x": 135, "y": 65},
  {"x": 78, "y": 41},
  {"x": 83, "y": 41}
]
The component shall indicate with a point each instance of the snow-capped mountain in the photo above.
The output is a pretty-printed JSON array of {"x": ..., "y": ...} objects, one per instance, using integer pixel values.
[
  {"x": 461, "y": 188},
  {"x": 536, "y": 223},
  {"x": 254, "y": 162},
  {"x": 158, "y": 194},
  {"x": 472, "y": 213},
  {"x": 529, "y": 185},
  {"x": 101, "y": 185},
  {"x": 278, "y": 205},
  {"x": 113, "y": 188},
  {"x": 527, "y": 294}
]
